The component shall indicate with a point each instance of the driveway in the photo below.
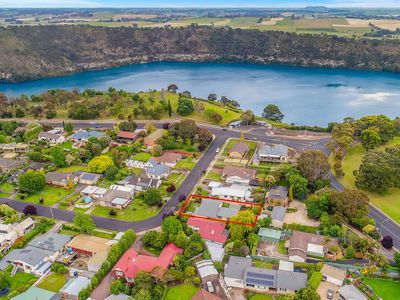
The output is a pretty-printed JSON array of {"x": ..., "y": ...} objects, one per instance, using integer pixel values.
[
  {"x": 300, "y": 216},
  {"x": 322, "y": 290},
  {"x": 237, "y": 294}
]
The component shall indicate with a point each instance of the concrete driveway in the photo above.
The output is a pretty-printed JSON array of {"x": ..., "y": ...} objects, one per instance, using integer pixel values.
[
  {"x": 322, "y": 290},
  {"x": 300, "y": 216}
]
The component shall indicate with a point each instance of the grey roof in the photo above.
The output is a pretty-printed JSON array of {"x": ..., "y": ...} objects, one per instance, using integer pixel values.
[
  {"x": 59, "y": 177},
  {"x": 236, "y": 267},
  {"x": 276, "y": 150},
  {"x": 75, "y": 285},
  {"x": 350, "y": 292},
  {"x": 118, "y": 297},
  {"x": 275, "y": 278},
  {"x": 278, "y": 192},
  {"x": 89, "y": 176},
  {"x": 206, "y": 268},
  {"x": 49, "y": 135},
  {"x": 217, "y": 251},
  {"x": 111, "y": 195},
  {"x": 119, "y": 201},
  {"x": 29, "y": 255},
  {"x": 157, "y": 169},
  {"x": 213, "y": 209},
  {"x": 8, "y": 163},
  {"x": 50, "y": 241},
  {"x": 278, "y": 213},
  {"x": 142, "y": 181},
  {"x": 84, "y": 135}
]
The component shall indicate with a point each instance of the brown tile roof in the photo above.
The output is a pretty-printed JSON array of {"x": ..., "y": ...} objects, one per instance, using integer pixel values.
[
  {"x": 204, "y": 295},
  {"x": 127, "y": 135},
  {"x": 241, "y": 172},
  {"x": 240, "y": 147},
  {"x": 168, "y": 157},
  {"x": 300, "y": 240}
]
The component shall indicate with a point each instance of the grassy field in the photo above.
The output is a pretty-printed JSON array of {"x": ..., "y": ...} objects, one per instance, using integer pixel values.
[
  {"x": 72, "y": 169},
  {"x": 50, "y": 195},
  {"x": 137, "y": 211},
  {"x": 389, "y": 203},
  {"x": 181, "y": 292},
  {"x": 187, "y": 163},
  {"x": 385, "y": 288},
  {"x": 261, "y": 297},
  {"x": 214, "y": 176},
  {"x": 53, "y": 282},
  {"x": 141, "y": 156}
]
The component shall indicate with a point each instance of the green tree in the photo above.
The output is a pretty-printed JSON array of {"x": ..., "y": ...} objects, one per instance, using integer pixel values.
[
  {"x": 84, "y": 222},
  {"x": 212, "y": 97},
  {"x": 299, "y": 186},
  {"x": 5, "y": 281},
  {"x": 350, "y": 252},
  {"x": 58, "y": 155},
  {"x": 185, "y": 107},
  {"x": 127, "y": 126},
  {"x": 397, "y": 258},
  {"x": 370, "y": 138},
  {"x": 169, "y": 108},
  {"x": 316, "y": 206},
  {"x": 307, "y": 294},
  {"x": 273, "y": 113},
  {"x": 248, "y": 116},
  {"x": 152, "y": 197},
  {"x": 19, "y": 113},
  {"x": 100, "y": 164},
  {"x": 313, "y": 165},
  {"x": 171, "y": 225},
  {"x": 342, "y": 136},
  {"x": 68, "y": 127},
  {"x": 117, "y": 287},
  {"x": 239, "y": 232},
  {"x": 31, "y": 181}
]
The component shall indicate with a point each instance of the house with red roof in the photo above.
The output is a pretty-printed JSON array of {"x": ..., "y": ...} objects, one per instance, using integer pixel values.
[
  {"x": 209, "y": 230},
  {"x": 127, "y": 136},
  {"x": 131, "y": 263}
]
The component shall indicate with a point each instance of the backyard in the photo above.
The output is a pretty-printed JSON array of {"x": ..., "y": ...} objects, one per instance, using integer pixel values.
[
  {"x": 20, "y": 281},
  {"x": 141, "y": 156},
  {"x": 53, "y": 282},
  {"x": 50, "y": 195},
  {"x": 385, "y": 288},
  {"x": 389, "y": 203},
  {"x": 181, "y": 292},
  {"x": 137, "y": 211}
]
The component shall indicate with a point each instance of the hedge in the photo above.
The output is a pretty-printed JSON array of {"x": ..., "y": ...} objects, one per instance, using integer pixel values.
[
  {"x": 315, "y": 280},
  {"x": 116, "y": 251}
]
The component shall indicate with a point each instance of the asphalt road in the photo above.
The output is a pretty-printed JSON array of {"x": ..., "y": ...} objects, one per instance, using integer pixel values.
[{"x": 383, "y": 223}]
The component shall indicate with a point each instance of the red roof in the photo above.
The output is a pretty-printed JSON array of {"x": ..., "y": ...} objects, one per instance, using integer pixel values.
[
  {"x": 210, "y": 230},
  {"x": 127, "y": 134},
  {"x": 131, "y": 263}
]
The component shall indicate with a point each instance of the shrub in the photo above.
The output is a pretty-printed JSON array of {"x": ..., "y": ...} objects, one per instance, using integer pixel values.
[
  {"x": 315, "y": 280},
  {"x": 59, "y": 268},
  {"x": 350, "y": 252}
]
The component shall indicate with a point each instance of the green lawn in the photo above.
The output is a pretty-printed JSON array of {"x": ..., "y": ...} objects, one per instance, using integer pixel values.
[
  {"x": 186, "y": 164},
  {"x": 281, "y": 248},
  {"x": 141, "y": 156},
  {"x": 385, "y": 288},
  {"x": 53, "y": 282},
  {"x": 19, "y": 281},
  {"x": 389, "y": 203},
  {"x": 214, "y": 176},
  {"x": 50, "y": 195},
  {"x": 263, "y": 264},
  {"x": 261, "y": 297},
  {"x": 137, "y": 211},
  {"x": 232, "y": 142},
  {"x": 7, "y": 188},
  {"x": 181, "y": 292},
  {"x": 72, "y": 169}
]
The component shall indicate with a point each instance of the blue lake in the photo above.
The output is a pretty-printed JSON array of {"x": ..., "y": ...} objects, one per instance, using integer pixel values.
[{"x": 305, "y": 95}]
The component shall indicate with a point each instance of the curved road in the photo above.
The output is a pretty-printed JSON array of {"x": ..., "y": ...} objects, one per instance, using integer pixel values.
[{"x": 386, "y": 225}]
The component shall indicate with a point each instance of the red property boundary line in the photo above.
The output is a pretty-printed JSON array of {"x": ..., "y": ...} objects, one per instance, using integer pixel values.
[{"x": 182, "y": 214}]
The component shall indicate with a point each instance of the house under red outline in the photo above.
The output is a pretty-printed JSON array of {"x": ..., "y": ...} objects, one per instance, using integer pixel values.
[{"x": 183, "y": 214}]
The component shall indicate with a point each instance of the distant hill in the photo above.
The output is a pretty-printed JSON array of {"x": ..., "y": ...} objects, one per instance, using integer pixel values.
[{"x": 41, "y": 51}]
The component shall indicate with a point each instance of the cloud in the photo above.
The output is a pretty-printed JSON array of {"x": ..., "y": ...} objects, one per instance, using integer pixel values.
[{"x": 372, "y": 98}]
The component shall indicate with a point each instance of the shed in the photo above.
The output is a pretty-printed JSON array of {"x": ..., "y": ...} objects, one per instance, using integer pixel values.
[
  {"x": 334, "y": 275},
  {"x": 268, "y": 234},
  {"x": 206, "y": 270},
  {"x": 278, "y": 216}
]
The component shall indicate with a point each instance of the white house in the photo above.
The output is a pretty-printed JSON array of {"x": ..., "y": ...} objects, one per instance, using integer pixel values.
[
  {"x": 333, "y": 275},
  {"x": 52, "y": 138},
  {"x": 233, "y": 192}
]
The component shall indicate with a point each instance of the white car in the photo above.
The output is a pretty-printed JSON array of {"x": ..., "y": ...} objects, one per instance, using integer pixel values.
[
  {"x": 210, "y": 287},
  {"x": 217, "y": 150}
]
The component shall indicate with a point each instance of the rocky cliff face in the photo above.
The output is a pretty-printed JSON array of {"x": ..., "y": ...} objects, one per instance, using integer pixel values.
[{"x": 35, "y": 52}]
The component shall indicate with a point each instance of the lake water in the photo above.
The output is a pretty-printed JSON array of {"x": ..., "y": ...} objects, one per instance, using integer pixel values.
[{"x": 305, "y": 95}]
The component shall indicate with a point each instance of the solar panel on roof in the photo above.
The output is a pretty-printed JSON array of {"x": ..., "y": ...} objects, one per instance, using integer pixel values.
[
  {"x": 259, "y": 282},
  {"x": 261, "y": 275}
]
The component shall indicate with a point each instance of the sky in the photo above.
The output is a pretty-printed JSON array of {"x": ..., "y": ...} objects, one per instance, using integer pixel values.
[{"x": 198, "y": 3}]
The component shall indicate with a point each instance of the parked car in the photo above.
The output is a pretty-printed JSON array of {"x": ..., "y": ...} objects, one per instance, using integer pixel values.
[
  {"x": 210, "y": 287},
  {"x": 329, "y": 295},
  {"x": 217, "y": 150}
]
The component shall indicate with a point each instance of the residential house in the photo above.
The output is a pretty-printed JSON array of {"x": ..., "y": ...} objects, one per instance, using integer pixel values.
[
  {"x": 132, "y": 263},
  {"x": 238, "y": 175},
  {"x": 235, "y": 124},
  {"x": 126, "y": 137},
  {"x": 17, "y": 148},
  {"x": 239, "y": 273},
  {"x": 157, "y": 170},
  {"x": 204, "y": 295},
  {"x": 206, "y": 270},
  {"x": 303, "y": 245},
  {"x": 140, "y": 183},
  {"x": 273, "y": 153},
  {"x": 169, "y": 159},
  {"x": 52, "y": 138},
  {"x": 96, "y": 261},
  {"x": 137, "y": 164},
  {"x": 84, "y": 135},
  {"x": 278, "y": 216},
  {"x": 7, "y": 164},
  {"x": 233, "y": 192},
  {"x": 270, "y": 235},
  {"x": 123, "y": 188},
  {"x": 215, "y": 209},
  {"x": 94, "y": 192},
  {"x": 350, "y": 292},
  {"x": 333, "y": 275},
  {"x": 153, "y": 138},
  {"x": 277, "y": 196},
  {"x": 212, "y": 231},
  {"x": 61, "y": 179},
  {"x": 36, "y": 166},
  {"x": 239, "y": 150},
  {"x": 9, "y": 233},
  {"x": 71, "y": 289},
  {"x": 88, "y": 178},
  {"x": 35, "y": 293},
  {"x": 37, "y": 256},
  {"x": 116, "y": 199}
]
